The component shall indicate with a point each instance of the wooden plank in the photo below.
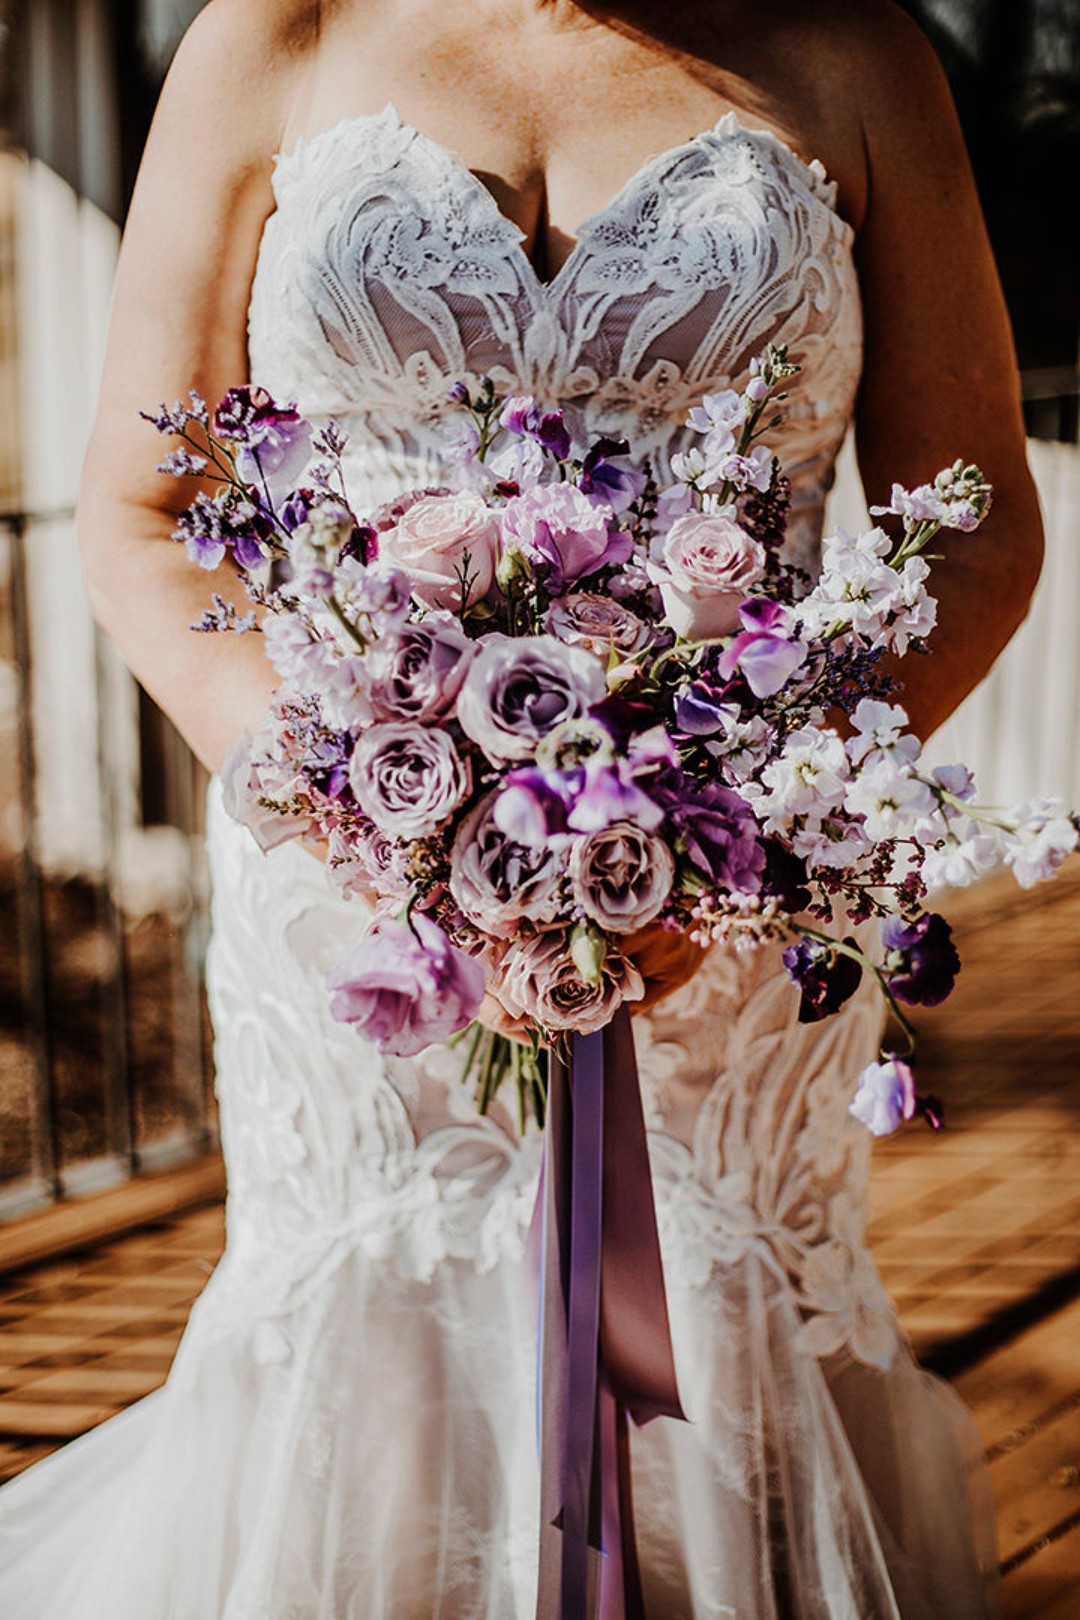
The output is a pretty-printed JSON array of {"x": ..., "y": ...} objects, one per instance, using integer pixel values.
[
  {"x": 1047, "y": 1585},
  {"x": 86, "y": 1221},
  {"x": 60, "y": 1422}
]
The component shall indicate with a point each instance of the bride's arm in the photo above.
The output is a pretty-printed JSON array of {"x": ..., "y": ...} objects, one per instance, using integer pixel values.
[
  {"x": 940, "y": 377},
  {"x": 179, "y": 322}
]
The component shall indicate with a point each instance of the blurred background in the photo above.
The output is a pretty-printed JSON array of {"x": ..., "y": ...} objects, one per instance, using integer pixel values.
[{"x": 104, "y": 1060}]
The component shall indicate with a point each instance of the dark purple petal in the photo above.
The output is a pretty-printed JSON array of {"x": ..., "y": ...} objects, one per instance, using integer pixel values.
[
  {"x": 826, "y": 977},
  {"x": 921, "y": 962}
]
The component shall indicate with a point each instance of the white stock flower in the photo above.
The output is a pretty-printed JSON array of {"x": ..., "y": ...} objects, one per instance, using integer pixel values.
[
  {"x": 890, "y": 798},
  {"x": 1042, "y": 835},
  {"x": 957, "y": 865},
  {"x": 809, "y": 778},
  {"x": 835, "y": 844},
  {"x": 879, "y": 727}
]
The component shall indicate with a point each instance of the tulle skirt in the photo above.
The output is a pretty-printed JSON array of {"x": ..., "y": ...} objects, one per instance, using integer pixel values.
[{"x": 371, "y": 1456}]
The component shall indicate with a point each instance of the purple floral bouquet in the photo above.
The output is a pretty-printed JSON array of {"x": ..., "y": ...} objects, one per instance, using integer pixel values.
[{"x": 555, "y": 704}]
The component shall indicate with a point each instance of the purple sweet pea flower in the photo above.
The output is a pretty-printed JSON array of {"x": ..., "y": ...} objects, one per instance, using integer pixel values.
[
  {"x": 609, "y": 793},
  {"x": 764, "y": 652},
  {"x": 826, "y": 977},
  {"x": 718, "y": 828},
  {"x": 885, "y": 1096},
  {"x": 522, "y": 415},
  {"x": 405, "y": 986},
  {"x": 922, "y": 961},
  {"x": 607, "y": 476},
  {"x": 702, "y": 709},
  {"x": 534, "y": 803},
  {"x": 272, "y": 442}
]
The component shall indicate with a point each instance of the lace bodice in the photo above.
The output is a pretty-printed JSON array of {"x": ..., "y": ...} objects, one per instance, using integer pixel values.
[{"x": 387, "y": 271}]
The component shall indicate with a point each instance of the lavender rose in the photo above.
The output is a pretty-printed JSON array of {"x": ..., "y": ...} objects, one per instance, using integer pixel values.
[
  {"x": 436, "y": 538},
  {"x": 622, "y": 876},
  {"x": 496, "y": 881},
  {"x": 707, "y": 566},
  {"x": 519, "y": 687},
  {"x": 416, "y": 674},
  {"x": 538, "y": 980},
  {"x": 562, "y": 533},
  {"x": 406, "y": 986},
  {"x": 586, "y": 619},
  {"x": 407, "y": 778}
]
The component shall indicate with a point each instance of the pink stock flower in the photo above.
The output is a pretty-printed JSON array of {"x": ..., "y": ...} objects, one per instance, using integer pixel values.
[{"x": 405, "y": 986}]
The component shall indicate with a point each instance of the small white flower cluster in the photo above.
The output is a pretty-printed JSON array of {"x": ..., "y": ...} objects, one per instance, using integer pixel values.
[{"x": 860, "y": 592}]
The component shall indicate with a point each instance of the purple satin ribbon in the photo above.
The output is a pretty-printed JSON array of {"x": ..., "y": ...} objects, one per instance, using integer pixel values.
[{"x": 605, "y": 1342}]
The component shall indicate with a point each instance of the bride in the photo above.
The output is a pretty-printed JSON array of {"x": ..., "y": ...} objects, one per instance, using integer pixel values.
[{"x": 614, "y": 207}]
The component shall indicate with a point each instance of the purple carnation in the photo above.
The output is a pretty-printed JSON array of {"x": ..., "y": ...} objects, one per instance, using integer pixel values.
[
  {"x": 718, "y": 829},
  {"x": 563, "y": 534},
  {"x": 922, "y": 961},
  {"x": 826, "y": 977},
  {"x": 406, "y": 986}
]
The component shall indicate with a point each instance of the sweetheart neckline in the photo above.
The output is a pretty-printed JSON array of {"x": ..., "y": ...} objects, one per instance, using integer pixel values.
[{"x": 811, "y": 173}]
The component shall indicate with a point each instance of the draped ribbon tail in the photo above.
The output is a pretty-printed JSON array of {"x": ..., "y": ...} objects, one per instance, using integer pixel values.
[{"x": 605, "y": 1342}]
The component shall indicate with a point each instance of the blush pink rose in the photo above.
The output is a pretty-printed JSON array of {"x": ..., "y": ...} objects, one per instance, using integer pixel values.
[
  {"x": 708, "y": 564},
  {"x": 435, "y": 538}
]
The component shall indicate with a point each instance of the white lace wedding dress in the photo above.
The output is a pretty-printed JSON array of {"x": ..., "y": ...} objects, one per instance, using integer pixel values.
[{"x": 348, "y": 1429}]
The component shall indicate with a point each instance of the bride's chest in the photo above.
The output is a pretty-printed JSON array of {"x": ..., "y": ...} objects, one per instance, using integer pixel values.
[{"x": 388, "y": 270}]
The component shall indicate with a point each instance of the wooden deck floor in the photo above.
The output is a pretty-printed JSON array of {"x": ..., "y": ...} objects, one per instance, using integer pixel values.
[{"x": 977, "y": 1233}]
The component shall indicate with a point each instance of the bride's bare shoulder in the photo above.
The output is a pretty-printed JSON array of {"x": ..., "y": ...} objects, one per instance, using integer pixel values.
[{"x": 234, "y": 73}]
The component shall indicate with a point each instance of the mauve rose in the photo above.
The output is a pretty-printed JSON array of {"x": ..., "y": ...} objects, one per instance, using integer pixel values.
[
  {"x": 406, "y": 986},
  {"x": 519, "y": 687},
  {"x": 622, "y": 876},
  {"x": 438, "y": 536},
  {"x": 562, "y": 533},
  {"x": 586, "y": 619},
  {"x": 537, "y": 980},
  {"x": 407, "y": 778},
  {"x": 417, "y": 673},
  {"x": 496, "y": 881},
  {"x": 708, "y": 563}
]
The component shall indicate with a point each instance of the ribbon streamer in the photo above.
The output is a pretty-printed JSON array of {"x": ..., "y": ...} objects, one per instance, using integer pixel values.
[{"x": 605, "y": 1342}]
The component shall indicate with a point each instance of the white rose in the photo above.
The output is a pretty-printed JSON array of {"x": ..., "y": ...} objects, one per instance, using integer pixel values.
[
  {"x": 708, "y": 565},
  {"x": 436, "y": 538}
]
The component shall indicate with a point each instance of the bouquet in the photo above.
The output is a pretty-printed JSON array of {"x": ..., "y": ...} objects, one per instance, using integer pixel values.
[
  {"x": 547, "y": 709},
  {"x": 540, "y": 710}
]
